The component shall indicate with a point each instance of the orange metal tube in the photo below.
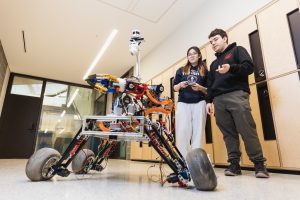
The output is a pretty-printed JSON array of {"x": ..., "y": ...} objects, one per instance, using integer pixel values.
[
  {"x": 102, "y": 127},
  {"x": 157, "y": 109},
  {"x": 164, "y": 102}
]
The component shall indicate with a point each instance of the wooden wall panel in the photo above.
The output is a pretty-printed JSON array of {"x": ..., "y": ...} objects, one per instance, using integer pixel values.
[
  {"x": 146, "y": 151},
  {"x": 270, "y": 148},
  {"x": 284, "y": 91},
  {"x": 203, "y": 53},
  {"x": 209, "y": 149},
  {"x": 154, "y": 155},
  {"x": 166, "y": 76},
  {"x": 286, "y": 108},
  {"x": 181, "y": 63},
  {"x": 210, "y": 55},
  {"x": 275, "y": 38},
  {"x": 135, "y": 151},
  {"x": 157, "y": 80}
]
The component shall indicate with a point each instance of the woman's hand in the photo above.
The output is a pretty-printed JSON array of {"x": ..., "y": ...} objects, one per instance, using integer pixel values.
[
  {"x": 209, "y": 109},
  {"x": 197, "y": 87},
  {"x": 182, "y": 84}
]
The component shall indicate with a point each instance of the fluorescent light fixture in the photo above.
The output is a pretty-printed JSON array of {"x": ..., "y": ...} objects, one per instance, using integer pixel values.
[
  {"x": 63, "y": 113},
  {"x": 101, "y": 52},
  {"x": 46, "y": 131},
  {"x": 62, "y": 130},
  {"x": 72, "y": 98},
  {"x": 77, "y": 117}
]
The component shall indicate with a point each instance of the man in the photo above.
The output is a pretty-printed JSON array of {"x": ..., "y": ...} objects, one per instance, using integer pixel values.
[{"x": 228, "y": 89}]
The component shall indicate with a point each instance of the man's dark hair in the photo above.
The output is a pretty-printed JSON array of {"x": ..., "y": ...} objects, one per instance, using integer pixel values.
[{"x": 218, "y": 31}]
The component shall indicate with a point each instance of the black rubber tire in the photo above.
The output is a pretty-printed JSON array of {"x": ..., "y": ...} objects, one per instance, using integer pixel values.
[
  {"x": 81, "y": 160},
  {"x": 40, "y": 162},
  {"x": 202, "y": 172}
]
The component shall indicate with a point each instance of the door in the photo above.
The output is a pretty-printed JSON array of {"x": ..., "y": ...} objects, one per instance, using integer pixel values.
[{"x": 20, "y": 116}]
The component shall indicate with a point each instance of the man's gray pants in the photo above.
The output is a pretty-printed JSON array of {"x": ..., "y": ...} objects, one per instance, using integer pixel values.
[{"x": 233, "y": 117}]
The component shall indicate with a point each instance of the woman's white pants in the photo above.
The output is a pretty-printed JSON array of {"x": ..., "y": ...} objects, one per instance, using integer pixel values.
[{"x": 190, "y": 119}]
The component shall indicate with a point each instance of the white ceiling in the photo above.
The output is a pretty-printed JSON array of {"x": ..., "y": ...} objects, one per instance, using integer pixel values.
[{"x": 63, "y": 36}]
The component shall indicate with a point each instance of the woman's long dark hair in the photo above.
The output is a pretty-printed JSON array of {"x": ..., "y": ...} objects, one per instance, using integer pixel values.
[{"x": 202, "y": 68}]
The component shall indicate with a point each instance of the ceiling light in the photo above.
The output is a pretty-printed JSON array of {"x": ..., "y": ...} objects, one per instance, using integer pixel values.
[
  {"x": 101, "y": 52},
  {"x": 63, "y": 113},
  {"x": 72, "y": 98},
  {"x": 77, "y": 117}
]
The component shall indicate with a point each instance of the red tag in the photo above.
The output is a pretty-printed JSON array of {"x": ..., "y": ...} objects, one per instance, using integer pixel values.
[{"x": 228, "y": 56}]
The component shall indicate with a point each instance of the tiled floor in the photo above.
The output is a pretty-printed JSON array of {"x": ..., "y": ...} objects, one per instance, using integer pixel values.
[{"x": 135, "y": 180}]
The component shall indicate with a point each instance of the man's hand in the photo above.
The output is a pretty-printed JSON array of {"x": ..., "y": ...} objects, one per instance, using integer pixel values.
[
  {"x": 208, "y": 108},
  {"x": 223, "y": 68}
]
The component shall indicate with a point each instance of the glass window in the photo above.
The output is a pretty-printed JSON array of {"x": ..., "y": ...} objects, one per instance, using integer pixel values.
[
  {"x": 100, "y": 105},
  {"x": 81, "y": 100},
  {"x": 62, "y": 112},
  {"x": 55, "y": 94},
  {"x": 26, "y": 86}
]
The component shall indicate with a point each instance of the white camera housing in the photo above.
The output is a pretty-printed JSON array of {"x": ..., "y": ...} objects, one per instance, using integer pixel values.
[{"x": 134, "y": 42}]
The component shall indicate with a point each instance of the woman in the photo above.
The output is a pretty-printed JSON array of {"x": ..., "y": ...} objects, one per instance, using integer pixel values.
[{"x": 191, "y": 81}]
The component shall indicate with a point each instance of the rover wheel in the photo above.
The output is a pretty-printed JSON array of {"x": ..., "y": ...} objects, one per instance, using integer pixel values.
[
  {"x": 82, "y": 161},
  {"x": 40, "y": 162},
  {"x": 201, "y": 170}
]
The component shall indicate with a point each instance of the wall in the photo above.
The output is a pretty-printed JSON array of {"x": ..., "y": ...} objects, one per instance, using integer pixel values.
[
  {"x": 195, "y": 32},
  {"x": 4, "y": 76},
  {"x": 282, "y": 83},
  {"x": 3, "y": 90}
]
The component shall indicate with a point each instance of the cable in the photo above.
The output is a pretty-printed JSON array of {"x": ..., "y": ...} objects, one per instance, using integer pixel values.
[
  {"x": 151, "y": 177},
  {"x": 162, "y": 176}
]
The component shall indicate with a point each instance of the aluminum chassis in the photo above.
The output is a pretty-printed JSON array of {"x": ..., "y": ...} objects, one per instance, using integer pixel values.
[{"x": 154, "y": 132}]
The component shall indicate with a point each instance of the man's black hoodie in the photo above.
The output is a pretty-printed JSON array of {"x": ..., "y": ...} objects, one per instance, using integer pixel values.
[{"x": 241, "y": 66}]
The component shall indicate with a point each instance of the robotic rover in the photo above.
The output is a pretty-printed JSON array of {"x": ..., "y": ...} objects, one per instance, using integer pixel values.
[{"x": 130, "y": 121}]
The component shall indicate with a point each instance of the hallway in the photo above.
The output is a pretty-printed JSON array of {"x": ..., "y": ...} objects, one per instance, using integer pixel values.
[{"x": 135, "y": 180}]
